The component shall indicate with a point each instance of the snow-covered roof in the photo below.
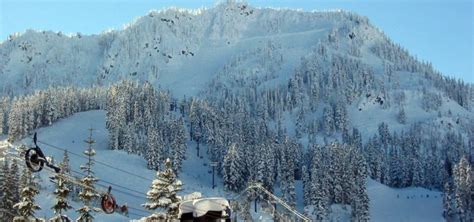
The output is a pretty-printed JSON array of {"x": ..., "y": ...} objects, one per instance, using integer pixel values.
[{"x": 200, "y": 207}]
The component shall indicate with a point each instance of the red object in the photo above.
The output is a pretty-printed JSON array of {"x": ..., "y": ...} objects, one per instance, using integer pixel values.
[{"x": 108, "y": 203}]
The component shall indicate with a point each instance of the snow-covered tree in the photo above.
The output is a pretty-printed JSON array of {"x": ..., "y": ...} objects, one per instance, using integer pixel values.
[
  {"x": 328, "y": 120},
  {"x": 448, "y": 204},
  {"x": 14, "y": 179},
  {"x": 319, "y": 190},
  {"x": 88, "y": 193},
  {"x": 287, "y": 171},
  {"x": 464, "y": 190},
  {"x": 61, "y": 192},
  {"x": 163, "y": 193},
  {"x": 360, "y": 198},
  {"x": 233, "y": 170},
  {"x": 26, "y": 207},
  {"x": 300, "y": 122},
  {"x": 401, "y": 116},
  {"x": 178, "y": 144},
  {"x": 155, "y": 149},
  {"x": 6, "y": 200},
  {"x": 4, "y": 109}
]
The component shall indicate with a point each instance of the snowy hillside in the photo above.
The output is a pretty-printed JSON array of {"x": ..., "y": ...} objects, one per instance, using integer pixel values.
[
  {"x": 308, "y": 104},
  {"x": 387, "y": 204}
]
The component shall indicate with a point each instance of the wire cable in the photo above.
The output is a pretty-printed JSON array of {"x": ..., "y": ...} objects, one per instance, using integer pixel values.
[
  {"x": 75, "y": 181},
  {"x": 96, "y": 161}
]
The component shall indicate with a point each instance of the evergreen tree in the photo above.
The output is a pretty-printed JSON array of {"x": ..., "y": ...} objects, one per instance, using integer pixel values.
[
  {"x": 356, "y": 139},
  {"x": 319, "y": 187},
  {"x": 340, "y": 115},
  {"x": 130, "y": 139},
  {"x": 3, "y": 114},
  {"x": 360, "y": 210},
  {"x": 360, "y": 200},
  {"x": 233, "y": 166},
  {"x": 463, "y": 189},
  {"x": 61, "y": 193},
  {"x": 300, "y": 122},
  {"x": 9, "y": 189},
  {"x": 306, "y": 186},
  {"x": 328, "y": 120},
  {"x": 26, "y": 207},
  {"x": 287, "y": 172},
  {"x": 14, "y": 178},
  {"x": 448, "y": 204},
  {"x": 88, "y": 193},
  {"x": 6, "y": 195},
  {"x": 178, "y": 144},
  {"x": 401, "y": 116},
  {"x": 155, "y": 149},
  {"x": 25, "y": 178},
  {"x": 163, "y": 192},
  {"x": 66, "y": 169}
]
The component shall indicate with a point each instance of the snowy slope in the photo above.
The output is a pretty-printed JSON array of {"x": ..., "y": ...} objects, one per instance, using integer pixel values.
[
  {"x": 408, "y": 204},
  {"x": 386, "y": 204}
]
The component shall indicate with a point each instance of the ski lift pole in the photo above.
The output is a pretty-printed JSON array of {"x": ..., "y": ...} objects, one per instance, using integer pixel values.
[{"x": 213, "y": 165}]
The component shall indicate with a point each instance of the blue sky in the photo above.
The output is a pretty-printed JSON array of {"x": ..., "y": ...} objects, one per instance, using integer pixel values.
[{"x": 440, "y": 31}]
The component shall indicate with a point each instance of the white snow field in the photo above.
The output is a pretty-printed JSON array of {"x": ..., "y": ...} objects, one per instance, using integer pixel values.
[
  {"x": 407, "y": 204},
  {"x": 386, "y": 204}
]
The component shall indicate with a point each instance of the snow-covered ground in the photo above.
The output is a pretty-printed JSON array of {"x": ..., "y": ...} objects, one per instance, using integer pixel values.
[
  {"x": 407, "y": 204},
  {"x": 386, "y": 204},
  {"x": 70, "y": 134}
]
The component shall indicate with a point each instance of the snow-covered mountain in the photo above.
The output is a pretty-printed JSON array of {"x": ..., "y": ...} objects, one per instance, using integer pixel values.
[
  {"x": 232, "y": 45},
  {"x": 260, "y": 77},
  {"x": 184, "y": 49}
]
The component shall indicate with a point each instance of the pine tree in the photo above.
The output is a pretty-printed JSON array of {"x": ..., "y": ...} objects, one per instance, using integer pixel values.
[
  {"x": 9, "y": 192},
  {"x": 178, "y": 144},
  {"x": 300, "y": 122},
  {"x": 361, "y": 205},
  {"x": 360, "y": 200},
  {"x": 6, "y": 200},
  {"x": 155, "y": 149},
  {"x": 319, "y": 184},
  {"x": 130, "y": 139},
  {"x": 15, "y": 121},
  {"x": 328, "y": 120},
  {"x": 25, "y": 178},
  {"x": 340, "y": 115},
  {"x": 14, "y": 178},
  {"x": 26, "y": 207},
  {"x": 3, "y": 114},
  {"x": 448, "y": 205},
  {"x": 463, "y": 189},
  {"x": 88, "y": 193},
  {"x": 287, "y": 172},
  {"x": 61, "y": 193},
  {"x": 233, "y": 166},
  {"x": 401, "y": 116},
  {"x": 306, "y": 186},
  {"x": 356, "y": 139},
  {"x": 66, "y": 168},
  {"x": 163, "y": 192}
]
